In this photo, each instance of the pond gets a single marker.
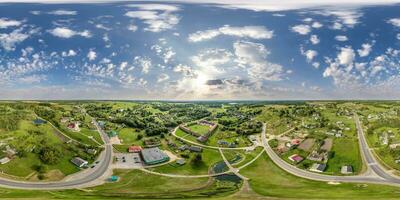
(220, 167)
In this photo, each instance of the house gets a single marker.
(295, 142)
(183, 148)
(154, 155)
(318, 157)
(4, 160)
(202, 138)
(393, 146)
(222, 143)
(295, 158)
(316, 167)
(346, 169)
(74, 126)
(113, 178)
(181, 161)
(10, 151)
(64, 119)
(195, 149)
(134, 149)
(79, 162)
(253, 138)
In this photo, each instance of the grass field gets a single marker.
(269, 180)
(346, 153)
(200, 129)
(129, 136)
(209, 157)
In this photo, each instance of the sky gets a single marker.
(199, 50)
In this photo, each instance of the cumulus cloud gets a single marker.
(91, 55)
(254, 32)
(64, 32)
(301, 29)
(394, 22)
(346, 56)
(5, 23)
(210, 61)
(341, 38)
(165, 52)
(365, 50)
(158, 17)
(253, 57)
(9, 40)
(144, 63)
(316, 25)
(69, 53)
(132, 27)
(31, 79)
(314, 39)
(310, 54)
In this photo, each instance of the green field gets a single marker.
(200, 129)
(269, 180)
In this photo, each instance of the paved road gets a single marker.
(379, 176)
(102, 167)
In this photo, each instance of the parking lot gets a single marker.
(127, 161)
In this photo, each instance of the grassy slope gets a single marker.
(269, 180)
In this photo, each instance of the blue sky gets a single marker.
(200, 50)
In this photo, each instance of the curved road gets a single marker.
(101, 168)
(378, 174)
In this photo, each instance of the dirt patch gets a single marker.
(307, 144)
(327, 146)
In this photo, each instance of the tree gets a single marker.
(50, 155)
(197, 160)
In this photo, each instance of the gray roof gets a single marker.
(154, 154)
(195, 148)
(79, 161)
(346, 169)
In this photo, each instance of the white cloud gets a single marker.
(316, 25)
(63, 12)
(254, 32)
(70, 53)
(132, 27)
(346, 56)
(310, 55)
(394, 22)
(31, 79)
(337, 26)
(210, 61)
(64, 32)
(398, 36)
(162, 77)
(301, 29)
(346, 16)
(163, 7)
(314, 39)
(365, 50)
(341, 38)
(158, 17)
(144, 63)
(10, 40)
(252, 56)
(5, 23)
(164, 51)
(91, 55)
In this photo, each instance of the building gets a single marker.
(195, 149)
(79, 162)
(154, 155)
(74, 126)
(202, 138)
(183, 147)
(295, 158)
(4, 160)
(181, 161)
(134, 149)
(346, 169)
(316, 167)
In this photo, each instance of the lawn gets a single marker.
(269, 180)
(346, 152)
(200, 129)
(209, 157)
(129, 136)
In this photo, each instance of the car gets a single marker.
(123, 160)
(93, 166)
(97, 162)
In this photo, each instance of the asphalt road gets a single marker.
(379, 176)
(101, 168)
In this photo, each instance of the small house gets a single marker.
(316, 167)
(181, 161)
(346, 169)
(4, 160)
(195, 149)
(295, 158)
(134, 149)
(79, 162)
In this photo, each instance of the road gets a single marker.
(100, 170)
(378, 176)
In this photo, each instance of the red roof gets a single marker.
(135, 149)
(295, 141)
(71, 125)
